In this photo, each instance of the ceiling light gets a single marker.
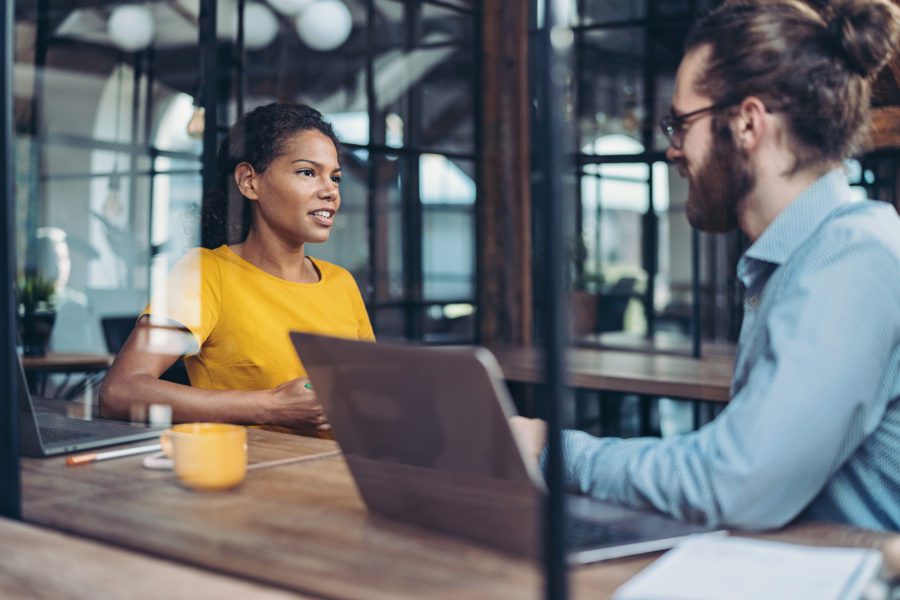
(260, 26)
(131, 27)
(324, 25)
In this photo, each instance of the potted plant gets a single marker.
(37, 312)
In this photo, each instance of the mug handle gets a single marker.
(161, 460)
(165, 440)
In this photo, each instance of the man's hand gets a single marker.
(294, 404)
(531, 433)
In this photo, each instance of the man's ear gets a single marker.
(752, 123)
(247, 180)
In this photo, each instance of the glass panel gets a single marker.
(425, 95)
(674, 8)
(626, 44)
(389, 323)
(614, 200)
(348, 245)
(448, 103)
(173, 113)
(441, 24)
(447, 192)
(175, 217)
(611, 91)
(674, 304)
(612, 67)
(464, 4)
(568, 13)
(612, 11)
(389, 19)
(388, 250)
(450, 323)
(336, 87)
(665, 89)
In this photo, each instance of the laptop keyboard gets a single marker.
(53, 435)
(589, 534)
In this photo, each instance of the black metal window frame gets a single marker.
(10, 499)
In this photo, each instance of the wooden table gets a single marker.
(662, 342)
(41, 563)
(38, 368)
(628, 372)
(67, 362)
(303, 527)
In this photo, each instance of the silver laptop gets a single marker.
(45, 429)
(425, 432)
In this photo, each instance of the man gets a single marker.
(769, 100)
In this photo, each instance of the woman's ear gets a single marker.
(246, 179)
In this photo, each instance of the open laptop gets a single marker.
(425, 432)
(46, 430)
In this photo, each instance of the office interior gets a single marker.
(116, 116)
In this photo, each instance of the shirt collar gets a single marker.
(800, 219)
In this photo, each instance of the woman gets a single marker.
(229, 310)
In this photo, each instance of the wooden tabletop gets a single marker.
(662, 342)
(304, 527)
(40, 563)
(622, 371)
(61, 362)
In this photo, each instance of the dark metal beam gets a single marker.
(554, 206)
(695, 294)
(10, 499)
(651, 221)
(372, 291)
(412, 215)
(209, 100)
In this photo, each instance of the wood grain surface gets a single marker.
(622, 371)
(303, 527)
(40, 563)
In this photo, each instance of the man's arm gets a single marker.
(807, 405)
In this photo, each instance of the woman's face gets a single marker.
(298, 195)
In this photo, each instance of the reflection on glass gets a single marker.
(349, 245)
(447, 193)
(450, 323)
(389, 235)
(351, 127)
(611, 103)
(611, 12)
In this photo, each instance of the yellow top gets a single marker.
(240, 317)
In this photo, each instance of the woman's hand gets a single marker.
(294, 404)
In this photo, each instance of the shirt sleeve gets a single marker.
(189, 297)
(809, 401)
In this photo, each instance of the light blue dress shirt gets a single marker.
(813, 426)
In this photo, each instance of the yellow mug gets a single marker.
(207, 456)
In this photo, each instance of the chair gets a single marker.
(116, 331)
(612, 304)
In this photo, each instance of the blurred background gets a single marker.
(118, 107)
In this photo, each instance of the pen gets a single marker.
(83, 459)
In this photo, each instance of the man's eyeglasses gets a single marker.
(675, 126)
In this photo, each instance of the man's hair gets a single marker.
(257, 138)
(812, 62)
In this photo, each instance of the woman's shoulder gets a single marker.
(200, 261)
(331, 271)
(200, 254)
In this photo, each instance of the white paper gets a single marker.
(715, 568)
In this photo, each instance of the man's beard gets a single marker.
(721, 184)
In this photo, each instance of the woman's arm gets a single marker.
(133, 380)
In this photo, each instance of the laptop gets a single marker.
(425, 432)
(46, 430)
